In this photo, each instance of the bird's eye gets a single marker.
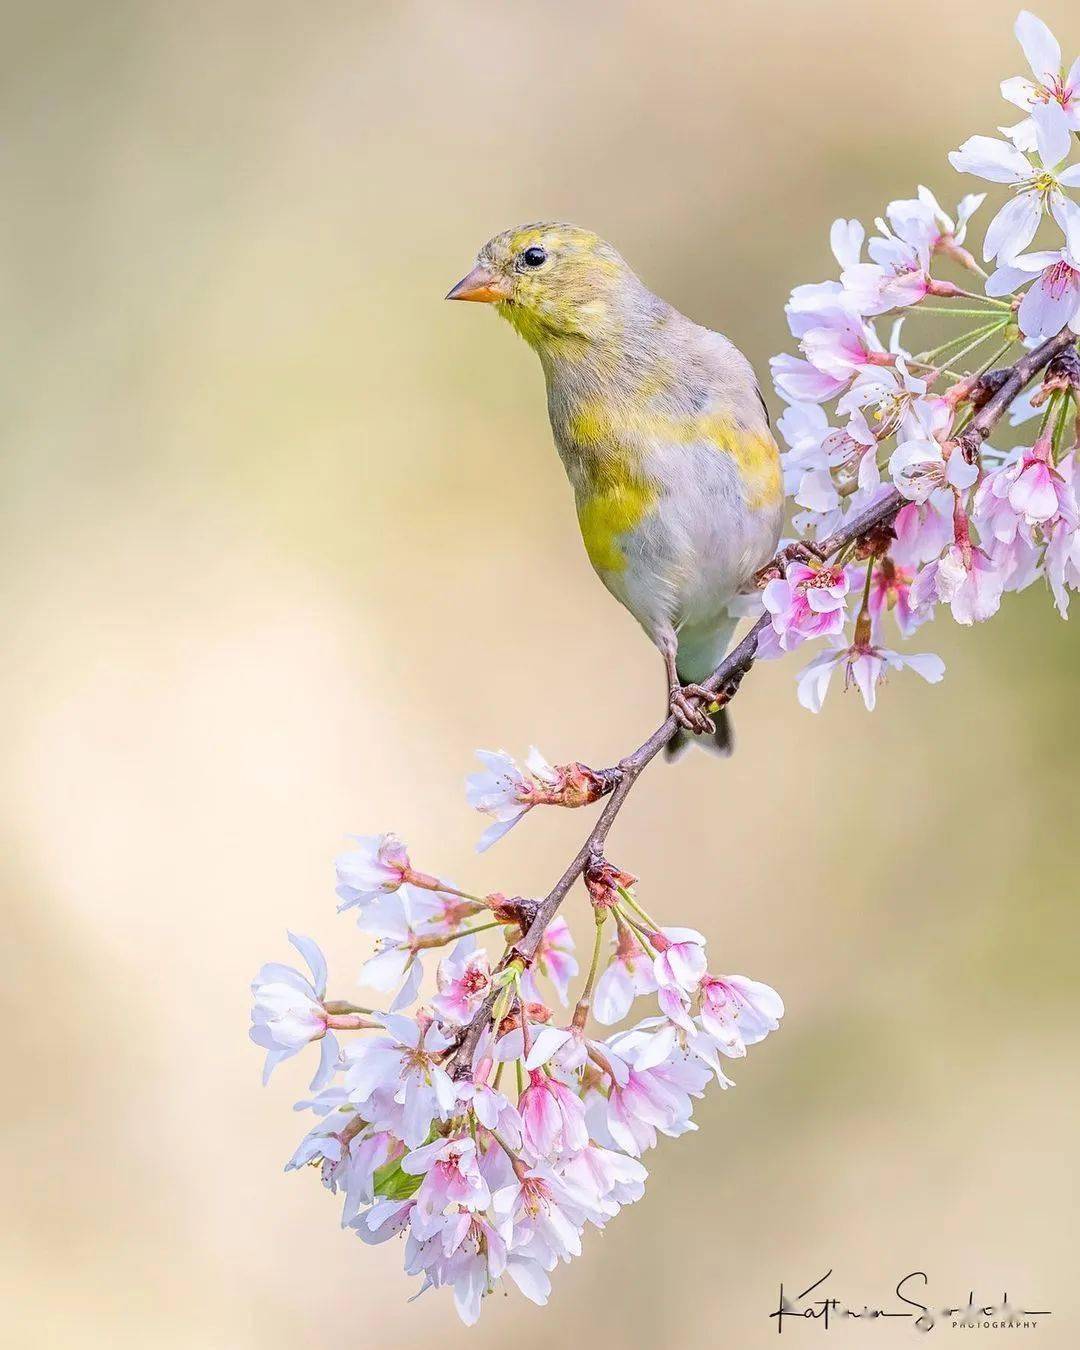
(534, 256)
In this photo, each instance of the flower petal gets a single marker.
(1013, 228)
(1039, 45)
(987, 157)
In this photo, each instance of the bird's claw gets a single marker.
(799, 551)
(688, 704)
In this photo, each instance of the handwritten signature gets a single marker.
(825, 1310)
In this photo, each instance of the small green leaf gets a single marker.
(394, 1184)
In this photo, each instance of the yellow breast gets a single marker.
(608, 511)
(618, 444)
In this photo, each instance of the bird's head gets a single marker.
(554, 283)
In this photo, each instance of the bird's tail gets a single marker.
(700, 651)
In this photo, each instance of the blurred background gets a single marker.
(284, 539)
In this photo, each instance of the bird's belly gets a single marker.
(674, 552)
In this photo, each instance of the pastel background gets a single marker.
(284, 539)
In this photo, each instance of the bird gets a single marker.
(664, 434)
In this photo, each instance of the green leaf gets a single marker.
(394, 1184)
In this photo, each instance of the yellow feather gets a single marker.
(610, 512)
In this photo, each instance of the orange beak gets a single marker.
(480, 285)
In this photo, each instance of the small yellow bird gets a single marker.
(665, 438)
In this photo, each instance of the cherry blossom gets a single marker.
(809, 602)
(289, 1012)
(1050, 84)
(680, 957)
(965, 579)
(1037, 188)
(898, 275)
(450, 1177)
(404, 1063)
(1063, 564)
(940, 230)
(394, 920)
(505, 792)
(922, 530)
(464, 979)
(555, 960)
(890, 593)
(865, 666)
(378, 865)
(1034, 488)
(627, 976)
(552, 1115)
(1052, 300)
(737, 1011)
(919, 467)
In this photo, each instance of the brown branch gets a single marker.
(728, 675)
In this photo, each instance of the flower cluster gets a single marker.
(972, 525)
(484, 1126)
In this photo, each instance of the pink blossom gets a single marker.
(841, 348)
(288, 1012)
(451, 1177)
(547, 1214)
(1020, 561)
(636, 1109)
(492, 1108)
(383, 1221)
(898, 275)
(922, 222)
(809, 602)
(365, 1155)
(817, 305)
(394, 920)
(378, 865)
(798, 381)
(922, 531)
(322, 1143)
(656, 1081)
(920, 467)
(1063, 563)
(469, 1254)
(965, 579)
(890, 590)
(1035, 186)
(555, 959)
(463, 979)
(628, 975)
(1037, 491)
(552, 1115)
(1052, 301)
(737, 1011)
(993, 513)
(611, 1177)
(404, 1065)
(865, 666)
(680, 958)
(820, 455)
(506, 792)
(1050, 84)
(674, 1003)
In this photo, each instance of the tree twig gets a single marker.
(727, 677)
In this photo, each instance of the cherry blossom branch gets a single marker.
(727, 677)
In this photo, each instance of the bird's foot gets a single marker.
(688, 704)
(797, 552)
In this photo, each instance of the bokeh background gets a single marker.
(284, 539)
